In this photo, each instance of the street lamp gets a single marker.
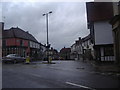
(48, 45)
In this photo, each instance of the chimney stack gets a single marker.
(79, 38)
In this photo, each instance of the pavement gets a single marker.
(106, 68)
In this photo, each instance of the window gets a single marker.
(108, 51)
(18, 40)
(21, 42)
(4, 43)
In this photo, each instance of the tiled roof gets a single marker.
(18, 33)
(86, 38)
(97, 11)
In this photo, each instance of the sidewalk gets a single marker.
(108, 68)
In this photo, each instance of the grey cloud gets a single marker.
(66, 23)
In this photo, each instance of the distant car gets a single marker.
(45, 59)
(13, 58)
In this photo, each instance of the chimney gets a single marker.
(79, 38)
(76, 42)
(12, 28)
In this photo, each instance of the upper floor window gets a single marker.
(108, 51)
(21, 43)
(18, 40)
(4, 43)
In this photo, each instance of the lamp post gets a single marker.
(48, 45)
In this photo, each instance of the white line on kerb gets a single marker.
(80, 85)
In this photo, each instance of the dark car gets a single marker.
(45, 59)
(13, 58)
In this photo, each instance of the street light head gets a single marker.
(43, 14)
(50, 12)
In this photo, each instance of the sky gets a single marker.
(67, 22)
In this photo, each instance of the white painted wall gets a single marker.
(34, 45)
(73, 48)
(103, 33)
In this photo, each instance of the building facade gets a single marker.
(98, 16)
(115, 22)
(82, 49)
(76, 50)
(87, 46)
(1, 29)
(17, 41)
(42, 52)
(53, 53)
(74, 53)
(65, 53)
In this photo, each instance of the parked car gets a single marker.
(45, 59)
(14, 58)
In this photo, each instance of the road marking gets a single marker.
(35, 75)
(80, 86)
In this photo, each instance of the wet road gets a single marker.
(62, 74)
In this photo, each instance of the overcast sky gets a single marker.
(66, 23)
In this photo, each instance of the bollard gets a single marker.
(27, 60)
(50, 59)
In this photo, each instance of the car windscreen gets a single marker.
(10, 55)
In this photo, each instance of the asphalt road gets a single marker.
(62, 74)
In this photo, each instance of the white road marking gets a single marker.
(35, 75)
(80, 86)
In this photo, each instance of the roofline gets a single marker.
(23, 31)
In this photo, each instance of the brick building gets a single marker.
(65, 53)
(17, 41)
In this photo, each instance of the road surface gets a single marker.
(62, 74)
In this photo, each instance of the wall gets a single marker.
(1, 27)
(97, 11)
(16, 42)
(103, 33)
